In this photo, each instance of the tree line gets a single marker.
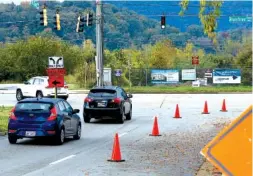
(26, 58)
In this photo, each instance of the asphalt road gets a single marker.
(175, 153)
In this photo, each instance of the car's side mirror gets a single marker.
(129, 95)
(26, 82)
(75, 111)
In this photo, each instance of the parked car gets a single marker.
(43, 117)
(107, 101)
(38, 87)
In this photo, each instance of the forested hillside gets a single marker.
(123, 28)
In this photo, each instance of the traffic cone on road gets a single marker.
(116, 154)
(205, 111)
(177, 113)
(155, 131)
(223, 108)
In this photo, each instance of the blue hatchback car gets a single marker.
(45, 117)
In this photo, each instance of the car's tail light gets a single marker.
(116, 100)
(53, 114)
(47, 87)
(12, 115)
(66, 87)
(12, 131)
(87, 100)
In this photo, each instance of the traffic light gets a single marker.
(57, 21)
(80, 25)
(43, 17)
(89, 19)
(163, 22)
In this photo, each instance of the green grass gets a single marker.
(4, 114)
(188, 89)
(180, 89)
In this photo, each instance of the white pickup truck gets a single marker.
(38, 87)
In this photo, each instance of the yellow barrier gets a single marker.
(231, 150)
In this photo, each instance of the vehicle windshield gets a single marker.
(33, 106)
(102, 93)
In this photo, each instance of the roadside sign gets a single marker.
(231, 150)
(227, 76)
(56, 81)
(118, 72)
(195, 60)
(188, 74)
(56, 71)
(55, 62)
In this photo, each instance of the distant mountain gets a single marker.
(152, 9)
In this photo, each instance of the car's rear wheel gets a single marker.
(12, 139)
(87, 118)
(60, 137)
(129, 115)
(19, 95)
(39, 94)
(78, 132)
(121, 118)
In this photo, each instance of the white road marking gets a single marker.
(122, 134)
(63, 159)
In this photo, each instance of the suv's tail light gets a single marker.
(53, 114)
(12, 115)
(116, 100)
(87, 100)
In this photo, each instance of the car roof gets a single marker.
(43, 100)
(105, 87)
(40, 77)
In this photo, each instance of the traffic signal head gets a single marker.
(163, 22)
(89, 19)
(43, 17)
(57, 22)
(80, 25)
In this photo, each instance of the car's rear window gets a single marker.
(33, 106)
(102, 93)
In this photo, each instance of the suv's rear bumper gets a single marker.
(102, 112)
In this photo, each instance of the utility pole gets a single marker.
(99, 42)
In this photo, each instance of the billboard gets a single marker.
(188, 74)
(164, 76)
(226, 76)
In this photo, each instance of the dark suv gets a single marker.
(107, 101)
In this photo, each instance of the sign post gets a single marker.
(56, 73)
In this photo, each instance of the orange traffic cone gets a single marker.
(155, 131)
(205, 111)
(116, 154)
(177, 114)
(223, 108)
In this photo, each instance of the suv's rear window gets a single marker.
(102, 93)
(33, 106)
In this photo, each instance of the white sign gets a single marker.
(55, 62)
(202, 81)
(196, 83)
(188, 74)
(173, 77)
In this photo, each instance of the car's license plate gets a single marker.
(30, 133)
(101, 104)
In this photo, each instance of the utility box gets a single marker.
(108, 76)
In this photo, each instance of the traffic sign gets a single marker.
(231, 150)
(118, 72)
(56, 81)
(56, 71)
(195, 60)
(55, 62)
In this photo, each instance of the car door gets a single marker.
(74, 119)
(28, 88)
(66, 118)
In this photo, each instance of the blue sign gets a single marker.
(118, 72)
(159, 76)
(227, 76)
